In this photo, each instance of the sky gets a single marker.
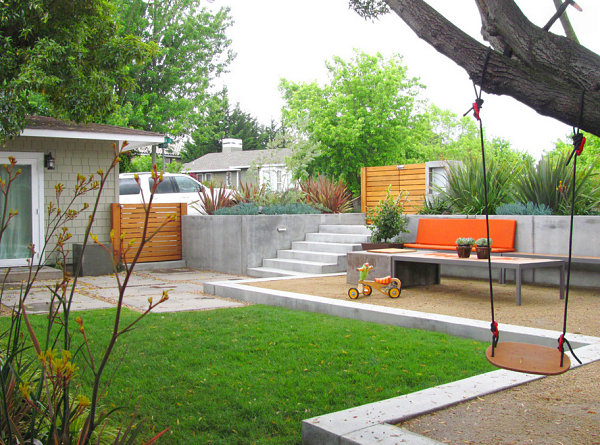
(276, 39)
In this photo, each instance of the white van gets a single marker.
(174, 188)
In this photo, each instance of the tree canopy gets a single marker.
(361, 118)
(370, 114)
(550, 73)
(63, 59)
(220, 122)
(175, 86)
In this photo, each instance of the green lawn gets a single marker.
(250, 375)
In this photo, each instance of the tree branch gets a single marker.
(548, 72)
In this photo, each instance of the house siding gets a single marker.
(74, 156)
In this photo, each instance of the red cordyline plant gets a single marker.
(212, 199)
(41, 399)
(250, 192)
(323, 191)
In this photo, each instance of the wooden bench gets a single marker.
(441, 233)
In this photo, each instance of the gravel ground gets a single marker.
(562, 409)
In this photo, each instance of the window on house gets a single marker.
(228, 179)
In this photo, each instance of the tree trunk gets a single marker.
(545, 71)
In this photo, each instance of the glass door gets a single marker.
(26, 198)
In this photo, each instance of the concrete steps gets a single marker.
(323, 252)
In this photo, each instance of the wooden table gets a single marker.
(498, 262)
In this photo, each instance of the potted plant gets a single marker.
(387, 222)
(483, 248)
(464, 246)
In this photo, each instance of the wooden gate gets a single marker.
(128, 222)
(409, 178)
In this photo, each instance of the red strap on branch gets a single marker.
(579, 148)
(476, 111)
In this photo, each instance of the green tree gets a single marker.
(144, 164)
(62, 59)
(362, 117)
(175, 86)
(220, 123)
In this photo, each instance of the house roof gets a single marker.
(42, 126)
(236, 160)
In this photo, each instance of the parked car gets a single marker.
(174, 188)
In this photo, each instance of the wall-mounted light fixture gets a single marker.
(49, 162)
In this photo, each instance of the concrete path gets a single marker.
(185, 288)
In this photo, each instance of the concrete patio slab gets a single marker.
(38, 301)
(185, 287)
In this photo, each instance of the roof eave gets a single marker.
(134, 141)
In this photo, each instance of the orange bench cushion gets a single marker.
(441, 234)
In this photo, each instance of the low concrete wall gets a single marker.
(543, 235)
(232, 244)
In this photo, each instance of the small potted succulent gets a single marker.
(483, 248)
(464, 246)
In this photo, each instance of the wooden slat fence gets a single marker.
(409, 178)
(128, 220)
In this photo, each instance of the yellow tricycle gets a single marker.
(392, 287)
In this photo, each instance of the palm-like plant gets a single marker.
(212, 198)
(465, 190)
(332, 195)
(550, 183)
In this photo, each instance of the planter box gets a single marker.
(95, 260)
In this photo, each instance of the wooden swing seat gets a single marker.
(525, 357)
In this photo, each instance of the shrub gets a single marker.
(333, 196)
(518, 208)
(212, 199)
(296, 208)
(41, 396)
(387, 219)
(245, 208)
(435, 206)
(550, 183)
(262, 196)
(277, 209)
(465, 189)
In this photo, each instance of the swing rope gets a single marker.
(476, 109)
(578, 143)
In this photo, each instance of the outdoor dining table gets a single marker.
(403, 267)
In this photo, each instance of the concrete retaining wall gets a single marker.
(232, 244)
(543, 235)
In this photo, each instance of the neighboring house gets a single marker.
(234, 166)
(74, 148)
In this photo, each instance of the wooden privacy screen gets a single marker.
(128, 220)
(409, 178)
